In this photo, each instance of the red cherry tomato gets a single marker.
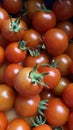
(10, 73)
(29, 105)
(56, 41)
(12, 6)
(14, 54)
(63, 9)
(57, 112)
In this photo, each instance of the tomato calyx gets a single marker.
(33, 52)
(15, 25)
(53, 64)
(22, 45)
(38, 121)
(42, 106)
(43, 8)
(37, 78)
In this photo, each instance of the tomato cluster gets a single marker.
(36, 65)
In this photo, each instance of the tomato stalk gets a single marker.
(37, 78)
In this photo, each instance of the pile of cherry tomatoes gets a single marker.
(36, 65)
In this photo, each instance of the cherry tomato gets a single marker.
(46, 94)
(14, 53)
(18, 124)
(29, 105)
(68, 95)
(67, 26)
(58, 90)
(44, 21)
(56, 41)
(33, 38)
(10, 73)
(52, 78)
(3, 121)
(3, 16)
(42, 127)
(63, 61)
(32, 6)
(7, 97)
(40, 59)
(63, 9)
(57, 112)
(24, 83)
(12, 6)
(13, 29)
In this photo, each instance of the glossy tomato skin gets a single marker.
(23, 83)
(67, 26)
(43, 21)
(7, 97)
(64, 61)
(32, 7)
(57, 112)
(14, 54)
(29, 105)
(12, 6)
(52, 78)
(56, 41)
(18, 123)
(40, 59)
(63, 83)
(63, 10)
(42, 127)
(3, 121)
(33, 38)
(68, 95)
(10, 73)
(12, 36)
(3, 16)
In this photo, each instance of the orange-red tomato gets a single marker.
(68, 95)
(64, 61)
(13, 29)
(3, 16)
(18, 124)
(56, 41)
(14, 53)
(12, 6)
(7, 97)
(52, 78)
(24, 83)
(29, 105)
(3, 121)
(33, 38)
(10, 73)
(57, 112)
(43, 127)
